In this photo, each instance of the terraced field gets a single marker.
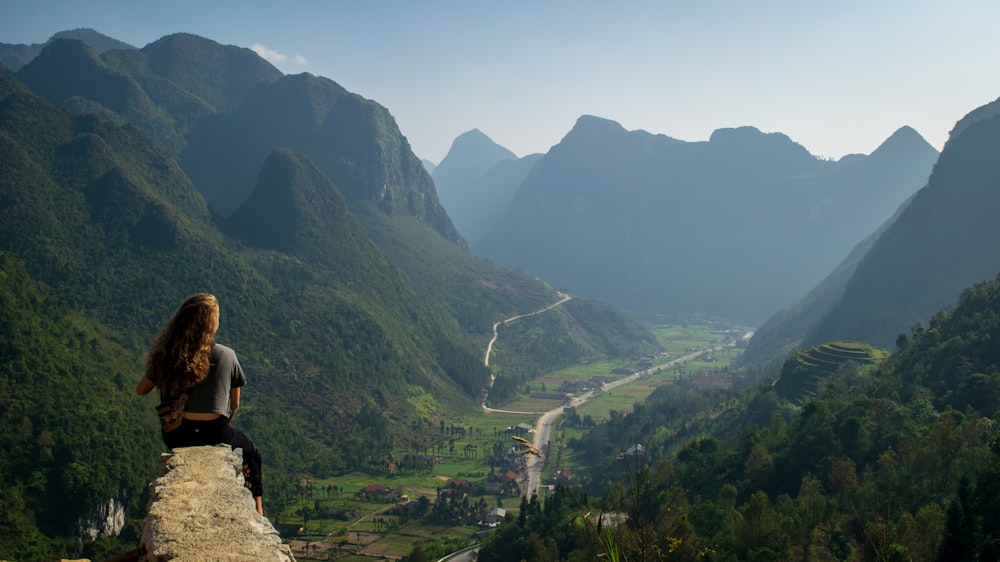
(805, 371)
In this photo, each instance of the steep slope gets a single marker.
(943, 241)
(491, 196)
(164, 89)
(292, 207)
(775, 339)
(738, 226)
(183, 83)
(477, 181)
(984, 112)
(353, 141)
(107, 221)
(68, 72)
(219, 75)
(74, 439)
(872, 448)
(471, 156)
(353, 317)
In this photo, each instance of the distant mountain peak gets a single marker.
(74, 49)
(745, 133)
(475, 140)
(472, 133)
(905, 133)
(750, 143)
(95, 39)
(591, 124)
(902, 143)
(471, 155)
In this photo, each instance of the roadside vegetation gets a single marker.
(334, 518)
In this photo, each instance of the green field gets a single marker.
(466, 454)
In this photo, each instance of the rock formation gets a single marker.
(201, 510)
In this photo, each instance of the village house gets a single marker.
(495, 517)
(379, 491)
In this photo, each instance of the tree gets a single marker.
(760, 533)
(959, 541)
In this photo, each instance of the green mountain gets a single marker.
(164, 88)
(294, 209)
(941, 242)
(15, 56)
(349, 297)
(354, 141)
(75, 441)
(107, 221)
(738, 226)
(851, 455)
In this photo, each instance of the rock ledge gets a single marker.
(200, 510)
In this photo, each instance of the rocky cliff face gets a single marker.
(201, 510)
(107, 520)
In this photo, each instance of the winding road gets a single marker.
(563, 297)
(543, 427)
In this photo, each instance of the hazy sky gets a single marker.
(837, 77)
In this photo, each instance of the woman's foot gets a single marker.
(259, 505)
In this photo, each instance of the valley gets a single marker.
(371, 295)
(334, 517)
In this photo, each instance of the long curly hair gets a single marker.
(180, 354)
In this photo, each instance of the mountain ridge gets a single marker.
(14, 56)
(605, 213)
(361, 318)
(894, 281)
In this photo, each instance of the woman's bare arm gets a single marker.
(234, 402)
(144, 387)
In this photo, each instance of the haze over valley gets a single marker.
(406, 314)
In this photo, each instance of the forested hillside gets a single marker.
(895, 461)
(14, 56)
(350, 299)
(907, 270)
(893, 287)
(75, 441)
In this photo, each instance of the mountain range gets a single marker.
(738, 226)
(352, 301)
(941, 241)
(477, 181)
(130, 178)
(14, 56)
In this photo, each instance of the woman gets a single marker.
(185, 358)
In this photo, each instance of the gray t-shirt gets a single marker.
(212, 394)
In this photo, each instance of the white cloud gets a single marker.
(276, 57)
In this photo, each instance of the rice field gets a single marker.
(360, 537)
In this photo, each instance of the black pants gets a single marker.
(193, 433)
